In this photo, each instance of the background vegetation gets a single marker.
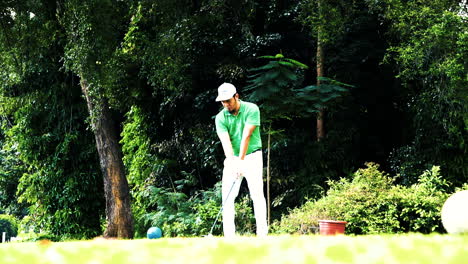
(157, 64)
(371, 203)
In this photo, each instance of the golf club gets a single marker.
(221, 209)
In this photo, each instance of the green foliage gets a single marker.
(327, 18)
(295, 181)
(429, 51)
(57, 189)
(30, 231)
(59, 183)
(181, 216)
(11, 170)
(90, 42)
(161, 184)
(275, 87)
(161, 43)
(157, 63)
(9, 225)
(407, 163)
(371, 203)
(141, 164)
(271, 86)
(153, 176)
(136, 147)
(422, 204)
(318, 96)
(462, 188)
(92, 32)
(47, 154)
(172, 211)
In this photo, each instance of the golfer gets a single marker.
(237, 126)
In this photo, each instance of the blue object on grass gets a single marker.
(154, 232)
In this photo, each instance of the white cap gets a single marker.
(225, 92)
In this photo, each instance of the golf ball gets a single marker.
(154, 233)
(454, 213)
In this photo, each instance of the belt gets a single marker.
(255, 151)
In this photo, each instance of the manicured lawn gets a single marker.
(411, 248)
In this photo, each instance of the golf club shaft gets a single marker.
(222, 206)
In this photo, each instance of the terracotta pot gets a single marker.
(331, 227)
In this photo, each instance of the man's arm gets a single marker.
(244, 145)
(226, 143)
(230, 161)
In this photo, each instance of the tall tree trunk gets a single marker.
(268, 176)
(320, 73)
(116, 190)
(320, 70)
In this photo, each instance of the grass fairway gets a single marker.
(412, 248)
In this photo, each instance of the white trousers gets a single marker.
(253, 173)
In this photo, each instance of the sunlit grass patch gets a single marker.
(411, 248)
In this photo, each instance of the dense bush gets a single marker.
(371, 203)
(11, 169)
(8, 224)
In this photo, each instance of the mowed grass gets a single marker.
(410, 248)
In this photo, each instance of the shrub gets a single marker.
(8, 224)
(371, 203)
(421, 203)
(29, 230)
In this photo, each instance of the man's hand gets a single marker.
(235, 165)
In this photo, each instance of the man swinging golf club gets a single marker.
(237, 126)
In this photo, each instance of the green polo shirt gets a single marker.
(234, 125)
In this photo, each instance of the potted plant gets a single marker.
(332, 227)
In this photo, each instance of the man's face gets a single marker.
(232, 104)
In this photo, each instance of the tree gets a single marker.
(271, 86)
(429, 51)
(275, 87)
(327, 20)
(45, 139)
(93, 34)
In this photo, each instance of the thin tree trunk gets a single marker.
(320, 73)
(116, 190)
(268, 176)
